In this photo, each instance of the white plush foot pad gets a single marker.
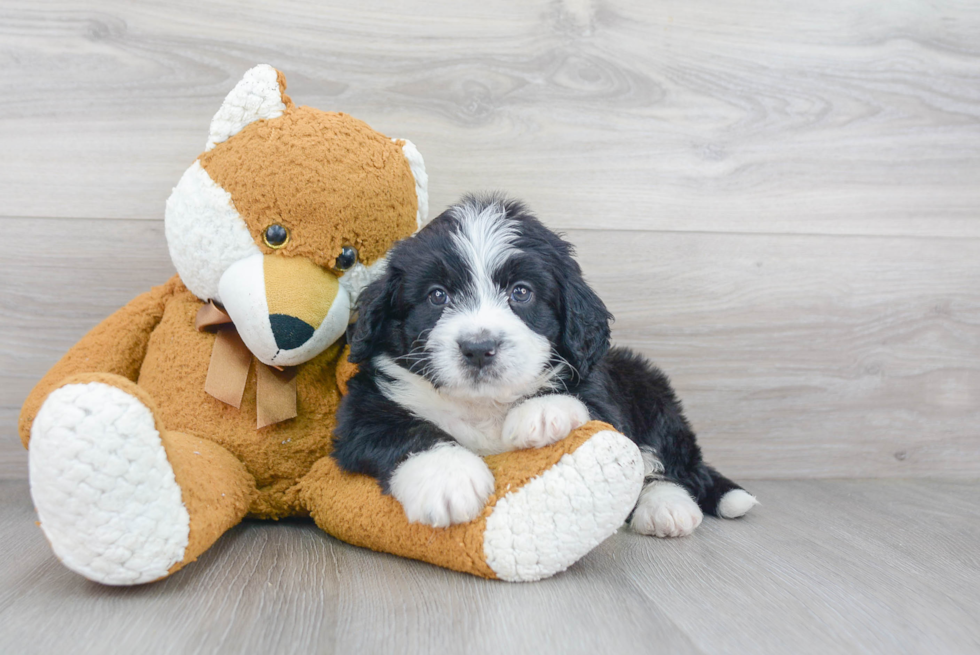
(104, 491)
(552, 521)
(666, 510)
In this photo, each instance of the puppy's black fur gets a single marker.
(374, 434)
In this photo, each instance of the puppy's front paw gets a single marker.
(541, 421)
(666, 510)
(442, 486)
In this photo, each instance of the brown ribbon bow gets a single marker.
(275, 388)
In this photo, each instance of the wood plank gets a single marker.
(796, 356)
(807, 356)
(858, 566)
(65, 277)
(853, 566)
(425, 609)
(854, 118)
(288, 588)
(243, 598)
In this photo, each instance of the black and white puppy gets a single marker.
(482, 337)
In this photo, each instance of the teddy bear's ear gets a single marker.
(261, 93)
(416, 163)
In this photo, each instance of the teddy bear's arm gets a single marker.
(116, 345)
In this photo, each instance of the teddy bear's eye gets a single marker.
(346, 259)
(275, 236)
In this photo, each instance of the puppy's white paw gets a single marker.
(541, 421)
(736, 503)
(442, 486)
(666, 510)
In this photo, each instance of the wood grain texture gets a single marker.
(830, 566)
(795, 355)
(807, 356)
(777, 200)
(779, 205)
(64, 277)
(848, 118)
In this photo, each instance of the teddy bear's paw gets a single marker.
(104, 490)
(542, 421)
(666, 510)
(555, 519)
(442, 486)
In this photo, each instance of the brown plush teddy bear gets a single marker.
(212, 397)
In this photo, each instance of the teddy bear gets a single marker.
(211, 398)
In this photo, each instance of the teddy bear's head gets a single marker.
(288, 214)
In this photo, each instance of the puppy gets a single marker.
(482, 337)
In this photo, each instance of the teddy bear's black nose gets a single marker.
(289, 331)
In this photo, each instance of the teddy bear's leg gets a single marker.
(551, 506)
(121, 500)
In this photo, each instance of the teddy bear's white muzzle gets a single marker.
(287, 310)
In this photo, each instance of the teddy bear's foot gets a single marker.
(105, 492)
(556, 518)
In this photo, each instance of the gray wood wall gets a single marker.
(779, 201)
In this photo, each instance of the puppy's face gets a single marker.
(485, 302)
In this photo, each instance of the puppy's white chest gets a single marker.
(485, 426)
(476, 425)
(475, 428)
(487, 429)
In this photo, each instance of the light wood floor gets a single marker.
(779, 201)
(883, 566)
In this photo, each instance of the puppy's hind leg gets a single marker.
(674, 506)
(664, 508)
(679, 488)
(728, 500)
(715, 494)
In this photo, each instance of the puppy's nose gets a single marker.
(478, 353)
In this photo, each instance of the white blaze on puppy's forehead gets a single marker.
(257, 96)
(485, 239)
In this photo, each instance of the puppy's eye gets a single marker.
(346, 259)
(438, 297)
(275, 236)
(520, 293)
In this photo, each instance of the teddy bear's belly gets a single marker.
(174, 372)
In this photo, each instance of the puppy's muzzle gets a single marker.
(479, 353)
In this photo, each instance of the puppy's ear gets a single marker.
(585, 321)
(374, 309)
